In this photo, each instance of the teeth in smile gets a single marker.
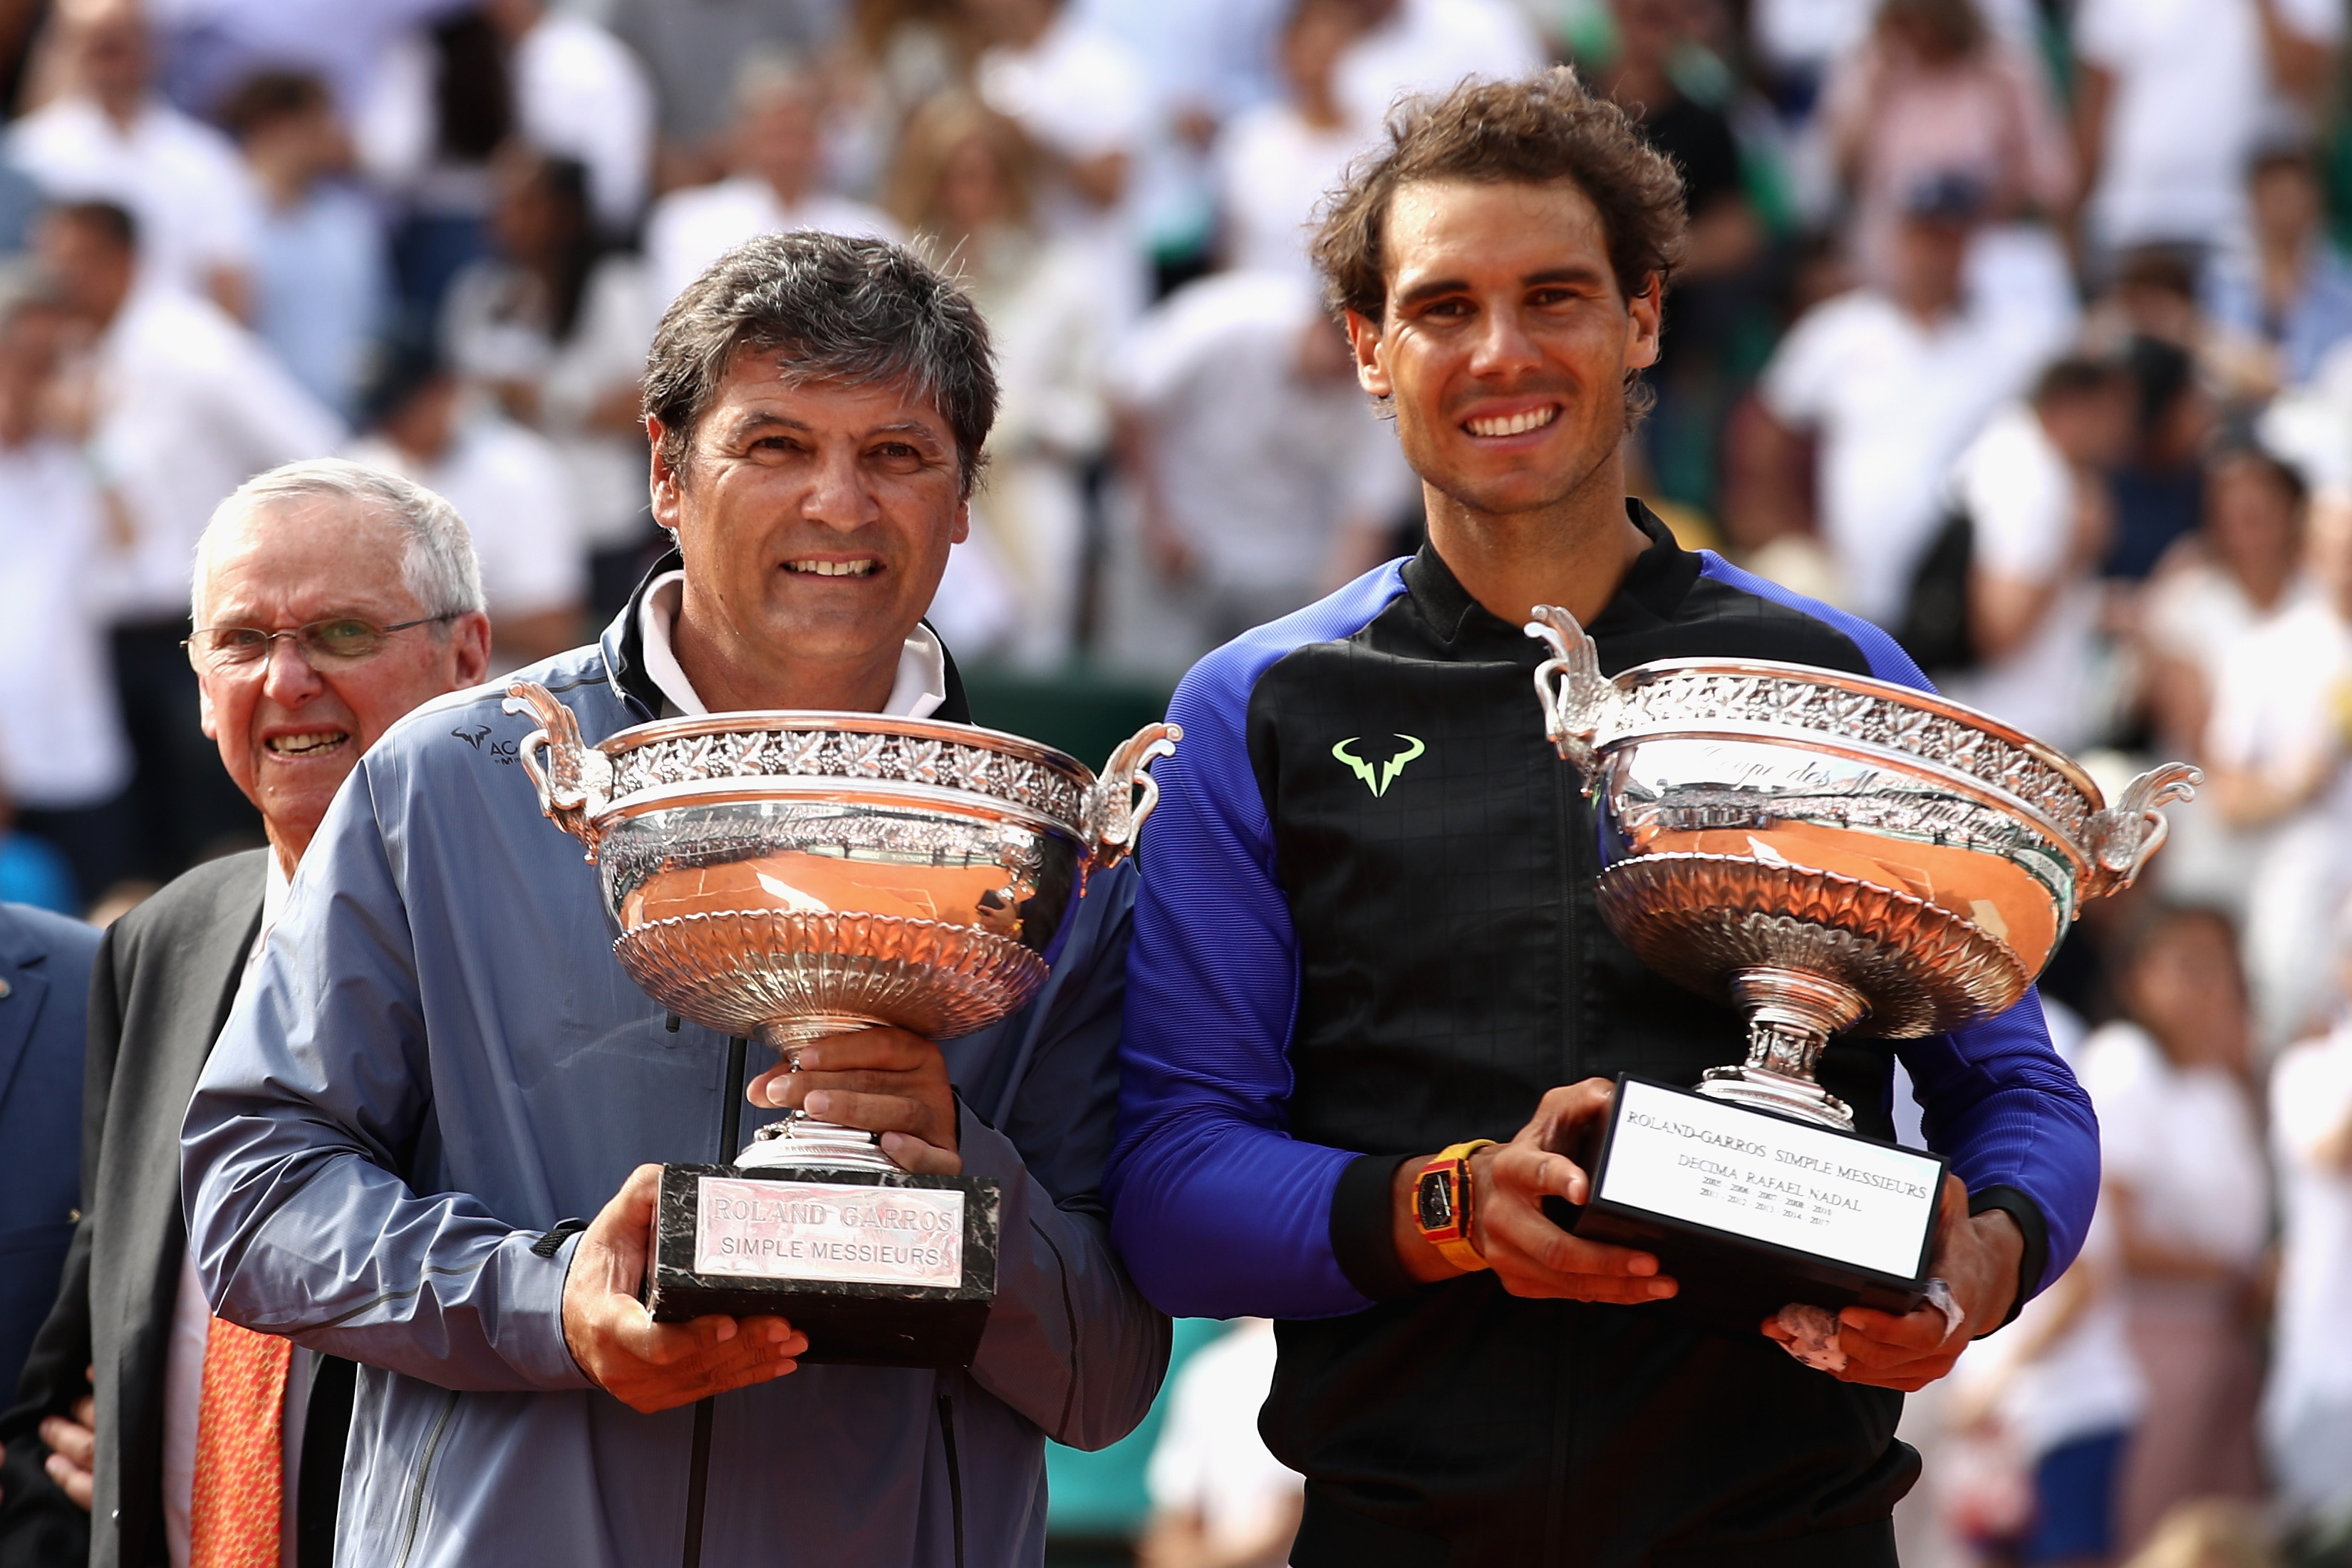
(831, 568)
(1514, 425)
(309, 745)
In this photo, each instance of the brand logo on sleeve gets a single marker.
(1377, 783)
(477, 736)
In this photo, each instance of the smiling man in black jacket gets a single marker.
(1367, 932)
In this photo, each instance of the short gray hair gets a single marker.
(859, 312)
(437, 567)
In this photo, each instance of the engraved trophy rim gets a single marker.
(761, 784)
(1648, 673)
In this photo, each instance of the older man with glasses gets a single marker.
(329, 600)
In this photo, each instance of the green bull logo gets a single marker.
(1378, 784)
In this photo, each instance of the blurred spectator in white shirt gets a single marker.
(581, 94)
(1411, 47)
(692, 51)
(1276, 163)
(964, 186)
(321, 281)
(1895, 383)
(508, 483)
(2059, 1388)
(554, 325)
(64, 760)
(2275, 756)
(2307, 1403)
(2173, 95)
(2186, 1185)
(108, 137)
(2281, 296)
(2032, 489)
(1219, 1500)
(1934, 91)
(184, 406)
(1206, 60)
(1084, 102)
(1264, 478)
(777, 187)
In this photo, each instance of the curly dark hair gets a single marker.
(1533, 131)
(861, 312)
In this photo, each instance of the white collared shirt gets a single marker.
(192, 1326)
(191, 404)
(920, 687)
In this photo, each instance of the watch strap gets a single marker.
(1453, 1240)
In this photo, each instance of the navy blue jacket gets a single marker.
(45, 963)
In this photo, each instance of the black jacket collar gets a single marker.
(625, 655)
(1662, 574)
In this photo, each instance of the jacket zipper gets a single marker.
(1565, 787)
(955, 1472)
(424, 1474)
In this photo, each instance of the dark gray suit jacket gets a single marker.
(166, 976)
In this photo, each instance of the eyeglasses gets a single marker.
(341, 640)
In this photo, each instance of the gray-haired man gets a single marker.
(444, 1061)
(329, 600)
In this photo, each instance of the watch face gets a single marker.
(1436, 1200)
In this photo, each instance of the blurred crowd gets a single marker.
(2021, 327)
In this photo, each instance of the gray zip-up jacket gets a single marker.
(442, 1060)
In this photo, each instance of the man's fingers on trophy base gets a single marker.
(879, 1113)
(912, 1154)
(1914, 1333)
(879, 1050)
(776, 1086)
(1531, 1173)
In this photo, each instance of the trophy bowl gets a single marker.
(1829, 853)
(786, 875)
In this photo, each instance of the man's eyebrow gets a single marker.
(1431, 290)
(1437, 287)
(905, 427)
(761, 418)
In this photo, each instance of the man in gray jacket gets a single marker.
(443, 1061)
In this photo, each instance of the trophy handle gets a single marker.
(1575, 695)
(1113, 815)
(2121, 838)
(573, 778)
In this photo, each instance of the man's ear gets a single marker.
(207, 720)
(469, 642)
(1372, 369)
(663, 482)
(962, 528)
(1645, 321)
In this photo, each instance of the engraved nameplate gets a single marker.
(826, 1230)
(1703, 1162)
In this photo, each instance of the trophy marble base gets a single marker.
(1750, 1211)
(878, 1268)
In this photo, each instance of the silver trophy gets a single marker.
(1832, 855)
(782, 876)
(1829, 853)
